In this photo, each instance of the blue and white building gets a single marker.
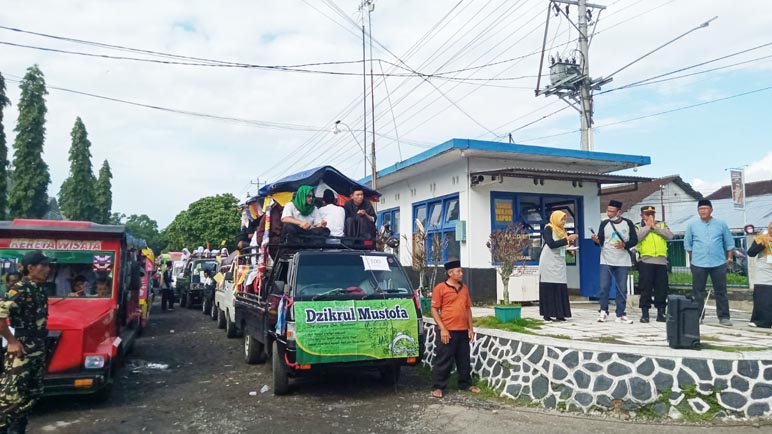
(464, 189)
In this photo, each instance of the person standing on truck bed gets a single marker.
(334, 215)
(300, 216)
(360, 216)
(26, 306)
(452, 311)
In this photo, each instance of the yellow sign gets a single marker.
(503, 211)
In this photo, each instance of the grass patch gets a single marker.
(709, 338)
(739, 349)
(522, 325)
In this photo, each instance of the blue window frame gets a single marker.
(534, 210)
(391, 218)
(439, 216)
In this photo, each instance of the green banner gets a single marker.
(355, 330)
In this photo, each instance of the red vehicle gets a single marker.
(93, 306)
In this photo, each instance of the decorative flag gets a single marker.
(738, 188)
(102, 263)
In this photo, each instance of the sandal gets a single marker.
(473, 389)
(437, 393)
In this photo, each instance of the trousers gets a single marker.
(21, 383)
(718, 280)
(167, 298)
(456, 351)
(653, 277)
(619, 275)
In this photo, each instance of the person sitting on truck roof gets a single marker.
(300, 216)
(360, 216)
(334, 215)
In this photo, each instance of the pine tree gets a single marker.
(104, 194)
(29, 195)
(77, 198)
(4, 101)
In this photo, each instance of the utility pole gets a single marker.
(364, 90)
(662, 200)
(585, 85)
(370, 4)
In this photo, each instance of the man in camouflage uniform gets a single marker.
(26, 307)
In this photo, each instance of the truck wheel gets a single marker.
(230, 328)
(221, 320)
(213, 312)
(254, 350)
(279, 369)
(390, 374)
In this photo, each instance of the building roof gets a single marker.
(758, 188)
(631, 197)
(453, 149)
(560, 175)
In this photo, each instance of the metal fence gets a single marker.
(681, 275)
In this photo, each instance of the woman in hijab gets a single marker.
(762, 288)
(553, 283)
(300, 216)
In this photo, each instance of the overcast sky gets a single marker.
(163, 160)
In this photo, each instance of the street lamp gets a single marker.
(337, 130)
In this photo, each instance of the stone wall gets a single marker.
(658, 381)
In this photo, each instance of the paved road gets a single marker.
(206, 389)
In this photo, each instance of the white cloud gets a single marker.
(760, 170)
(706, 187)
(164, 161)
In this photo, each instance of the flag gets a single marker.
(102, 263)
(738, 188)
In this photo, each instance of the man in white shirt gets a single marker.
(334, 215)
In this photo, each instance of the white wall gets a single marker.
(474, 204)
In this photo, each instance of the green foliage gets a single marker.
(104, 194)
(29, 196)
(522, 325)
(213, 220)
(53, 213)
(77, 198)
(4, 101)
(142, 226)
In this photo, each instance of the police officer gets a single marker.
(652, 266)
(26, 306)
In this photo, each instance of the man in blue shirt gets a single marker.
(709, 245)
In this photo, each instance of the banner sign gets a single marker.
(40, 244)
(738, 188)
(355, 330)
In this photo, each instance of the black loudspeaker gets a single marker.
(683, 322)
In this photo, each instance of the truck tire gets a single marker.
(213, 313)
(254, 350)
(221, 320)
(279, 371)
(230, 328)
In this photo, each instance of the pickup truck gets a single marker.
(191, 284)
(331, 308)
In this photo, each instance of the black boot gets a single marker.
(645, 315)
(661, 314)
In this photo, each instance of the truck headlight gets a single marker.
(94, 362)
(290, 331)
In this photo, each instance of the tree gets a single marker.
(29, 196)
(4, 101)
(104, 194)
(53, 213)
(142, 226)
(77, 198)
(214, 220)
(507, 247)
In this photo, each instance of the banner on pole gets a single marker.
(738, 188)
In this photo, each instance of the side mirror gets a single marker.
(229, 276)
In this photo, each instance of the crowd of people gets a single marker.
(625, 244)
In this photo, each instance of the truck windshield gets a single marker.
(75, 274)
(329, 276)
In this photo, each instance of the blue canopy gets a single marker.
(329, 175)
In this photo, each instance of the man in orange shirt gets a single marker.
(452, 311)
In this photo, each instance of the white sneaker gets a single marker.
(624, 320)
(752, 324)
(602, 317)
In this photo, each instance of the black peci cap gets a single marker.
(36, 257)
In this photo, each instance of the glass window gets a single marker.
(395, 226)
(435, 215)
(420, 214)
(454, 247)
(451, 212)
(385, 219)
(530, 209)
